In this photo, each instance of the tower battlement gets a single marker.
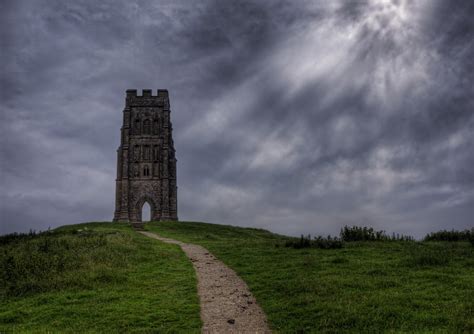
(147, 93)
(147, 99)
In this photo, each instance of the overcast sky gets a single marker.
(293, 116)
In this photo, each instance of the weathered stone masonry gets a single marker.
(146, 163)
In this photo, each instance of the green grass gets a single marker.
(363, 287)
(96, 277)
(104, 277)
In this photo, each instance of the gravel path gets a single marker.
(227, 306)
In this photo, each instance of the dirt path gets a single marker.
(227, 306)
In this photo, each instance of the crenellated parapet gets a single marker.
(147, 99)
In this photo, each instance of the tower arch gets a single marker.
(139, 207)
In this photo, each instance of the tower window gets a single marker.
(156, 153)
(146, 171)
(146, 152)
(147, 127)
(136, 126)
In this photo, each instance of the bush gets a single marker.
(357, 233)
(318, 242)
(466, 235)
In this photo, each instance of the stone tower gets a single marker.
(146, 163)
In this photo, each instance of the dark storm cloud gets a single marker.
(296, 117)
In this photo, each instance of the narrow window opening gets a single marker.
(146, 152)
(137, 126)
(147, 127)
(156, 153)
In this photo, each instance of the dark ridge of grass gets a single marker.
(366, 286)
(95, 277)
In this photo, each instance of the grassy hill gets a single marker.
(363, 287)
(106, 277)
(97, 277)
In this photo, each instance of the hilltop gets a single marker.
(106, 277)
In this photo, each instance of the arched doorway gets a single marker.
(146, 212)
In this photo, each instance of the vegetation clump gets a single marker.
(466, 235)
(358, 233)
(347, 234)
(317, 242)
(12, 237)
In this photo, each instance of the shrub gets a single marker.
(318, 242)
(357, 233)
(466, 235)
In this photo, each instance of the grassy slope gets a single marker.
(104, 278)
(378, 286)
